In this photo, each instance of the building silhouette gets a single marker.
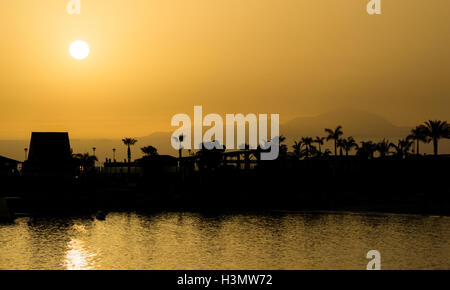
(49, 154)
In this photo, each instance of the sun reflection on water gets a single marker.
(77, 257)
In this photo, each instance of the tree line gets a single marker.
(312, 147)
(430, 131)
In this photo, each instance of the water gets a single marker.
(194, 241)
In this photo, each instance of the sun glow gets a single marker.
(77, 257)
(79, 49)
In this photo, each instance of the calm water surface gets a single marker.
(195, 241)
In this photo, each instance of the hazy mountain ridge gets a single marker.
(359, 124)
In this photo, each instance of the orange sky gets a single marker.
(151, 59)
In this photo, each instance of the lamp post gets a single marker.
(180, 151)
(26, 151)
(93, 149)
(114, 155)
(180, 155)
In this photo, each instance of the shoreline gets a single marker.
(61, 209)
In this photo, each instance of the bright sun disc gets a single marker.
(79, 49)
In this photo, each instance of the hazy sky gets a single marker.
(151, 59)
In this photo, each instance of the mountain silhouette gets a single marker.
(356, 123)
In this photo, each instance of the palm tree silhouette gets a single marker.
(419, 134)
(326, 153)
(366, 150)
(384, 147)
(283, 147)
(297, 149)
(129, 142)
(349, 144)
(307, 142)
(319, 141)
(436, 130)
(334, 135)
(86, 161)
(403, 147)
(341, 144)
(149, 151)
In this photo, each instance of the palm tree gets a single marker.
(366, 150)
(149, 151)
(403, 147)
(384, 147)
(314, 152)
(297, 149)
(307, 142)
(419, 134)
(283, 147)
(334, 135)
(340, 144)
(326, 153)
(85, 161)
(319, 141)
(129, 142)
(436, 130)
(349, 144)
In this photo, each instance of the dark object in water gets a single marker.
(101, 215)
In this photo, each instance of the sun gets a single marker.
(79, 49)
